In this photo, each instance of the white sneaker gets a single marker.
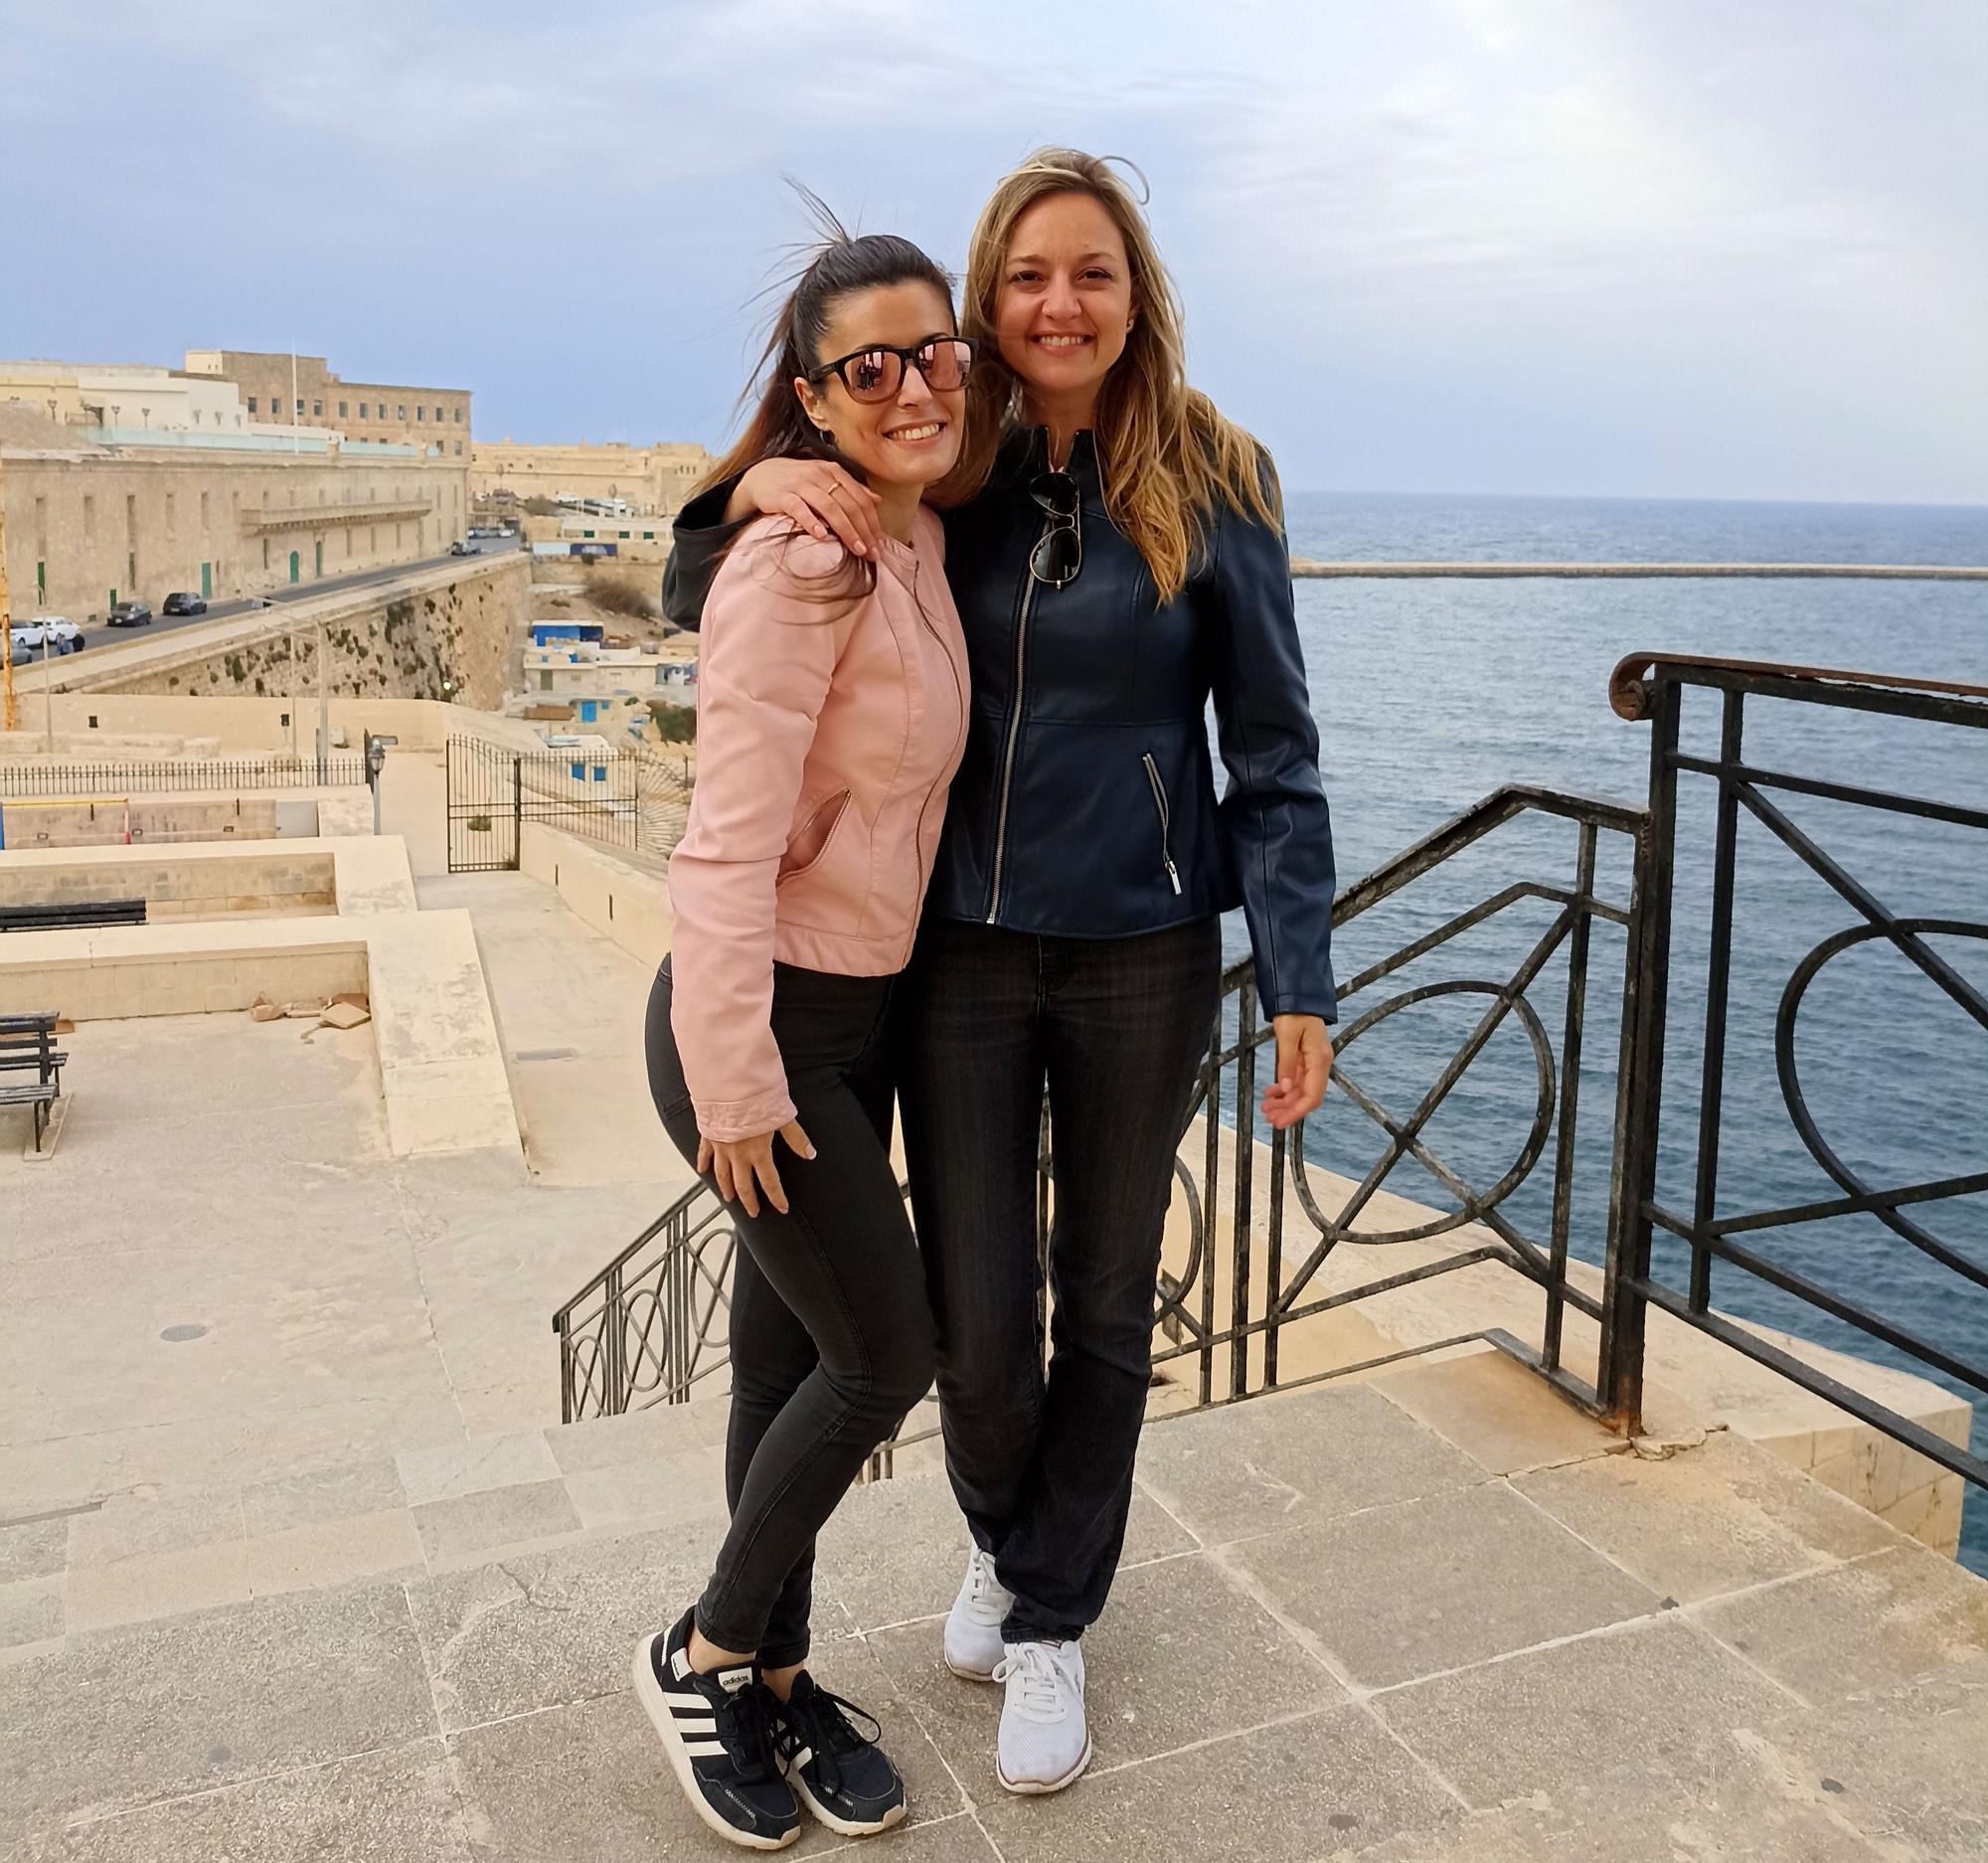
(973, 1647)
(1044, 1739)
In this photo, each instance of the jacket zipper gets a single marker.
(1013, 730)
(1166, 819)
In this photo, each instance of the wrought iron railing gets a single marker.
(1647, 687)
(1260, 1243)
(650, 1326)
(160, 776)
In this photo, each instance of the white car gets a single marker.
(50, 630)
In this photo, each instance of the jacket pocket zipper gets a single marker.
(1166, 819)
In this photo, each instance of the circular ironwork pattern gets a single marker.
(1475, 1204)
(1819, 1147)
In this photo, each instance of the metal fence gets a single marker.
(622, 799)
(1241, 1271)
(1800, 1247)
(651, 1325)
(37, 778)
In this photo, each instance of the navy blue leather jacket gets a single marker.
(1085, 805)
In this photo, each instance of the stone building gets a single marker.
(653, 481)
(284, 387)
(92, 521)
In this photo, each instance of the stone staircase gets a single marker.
(1437, 1615)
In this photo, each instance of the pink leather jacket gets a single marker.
(827, 734)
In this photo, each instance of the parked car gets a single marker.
(129, 614)
(55, 633)
(462, 549)
(183, 603)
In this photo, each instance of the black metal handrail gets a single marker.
(649, 1326)
(1651, 687)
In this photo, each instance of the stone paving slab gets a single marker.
(1642, 1706)
(1436, 1584)
(1870, 1624)
(1328, 1784)
(318, 1495)
(896, 1550)
(552, 1628)
(470, 1526)
(1719, 1518)
(1181, 1656)
(1275, 1462)
(399, 1803)
(484, 1462)
(34, 1549)
(127, 1717)
(1903, 1765)
(1501, 1422)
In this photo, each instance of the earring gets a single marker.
(828, 438)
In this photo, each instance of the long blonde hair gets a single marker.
(1165, 452)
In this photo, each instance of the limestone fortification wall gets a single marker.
(449, 638)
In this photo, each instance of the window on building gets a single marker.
(252, 403)
(300, 406)
(131, 517)
(202, 511)
(361, 410)
(172, 513)
(341, 411)
(317, 411)
(89, 514)
(458, 449)
(403, 410)
(458, 417)
(545, 682)
(420, 414)
(438, 413)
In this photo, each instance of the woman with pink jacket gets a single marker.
(831, 717)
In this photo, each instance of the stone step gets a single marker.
(164, 1550)
(1335, 1630)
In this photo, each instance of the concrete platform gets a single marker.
(1336, 1632)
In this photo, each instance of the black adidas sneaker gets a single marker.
(845, 1780)
(718, 1732)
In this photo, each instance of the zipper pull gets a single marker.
(1173, 873)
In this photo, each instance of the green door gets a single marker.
(206, 580)
(295, 564)
(321, 556)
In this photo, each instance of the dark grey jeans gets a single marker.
(831, 1333)
(1115, 1029)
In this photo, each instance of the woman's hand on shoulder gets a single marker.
(744, 1166)
(816, 494)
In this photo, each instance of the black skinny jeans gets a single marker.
(1115, 1029)
(831, 1332)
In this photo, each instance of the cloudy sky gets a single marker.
(1627, 247)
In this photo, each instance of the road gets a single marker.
(226, 611)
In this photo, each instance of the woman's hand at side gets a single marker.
(816, 494)
(1304, 1069)
(744, 1166)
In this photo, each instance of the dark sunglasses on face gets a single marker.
(1058, 553)
(877, 373)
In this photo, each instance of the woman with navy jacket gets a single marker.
(1117, 554)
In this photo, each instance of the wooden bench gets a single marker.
(76, 914)
(28, 1044)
